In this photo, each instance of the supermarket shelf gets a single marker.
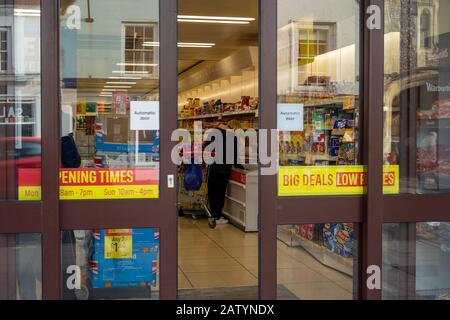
(301, 157)
(238, 184)
(322, 254)
(219, 115)
(237, 222)
(322, 249)
(330, 104)
(236, 200)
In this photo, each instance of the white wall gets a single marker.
(229, 89)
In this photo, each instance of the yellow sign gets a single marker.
(94, 192)
(30, 193)
(93, 184)
(118, 247)
(109, 192)
(332, 180)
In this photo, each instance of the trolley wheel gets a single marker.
(212, 223)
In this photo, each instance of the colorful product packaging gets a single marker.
(338, 238)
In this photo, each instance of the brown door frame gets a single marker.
(267, 120)
(58, 216)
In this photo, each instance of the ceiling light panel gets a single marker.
(213, 21)
(130, 72)
(125, 78)
(189, 17)
(137, 64)
(121, 83)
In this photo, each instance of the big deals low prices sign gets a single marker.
(332, 180)
(94, 184)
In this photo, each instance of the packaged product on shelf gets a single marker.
(305, 231)
(81, 108)
(349, 136)
(349, 102)
(333, 146)
(91, 108)
(347, 154)
(318, 121)
(338, 238)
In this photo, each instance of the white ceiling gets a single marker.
(228, 38)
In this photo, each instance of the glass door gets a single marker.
(315, 179)
(116, 199)
(218, 106)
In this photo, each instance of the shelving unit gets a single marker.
(241, 197)
(330, 136)
(287, 235)
(221, 115)
(241, 202)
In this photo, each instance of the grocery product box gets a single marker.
(338, 238)
(305, 231)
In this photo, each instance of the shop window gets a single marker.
(20, 267)
(417, 97)
(110, 103)
(3, 50)
(140, 42)
(313, 40)
(111, 264)
(20, 101)
(317, 261)
(416, 260)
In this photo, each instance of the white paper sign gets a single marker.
(144, 115)
(290, 117)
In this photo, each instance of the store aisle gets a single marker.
(227, 257)
(214, 258)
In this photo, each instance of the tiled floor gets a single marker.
(209, 258)
(228, 257)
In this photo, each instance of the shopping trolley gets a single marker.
(191, 202)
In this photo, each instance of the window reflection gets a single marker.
(20, 100)
(417, 94)
(20, 267)
(416, 260)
